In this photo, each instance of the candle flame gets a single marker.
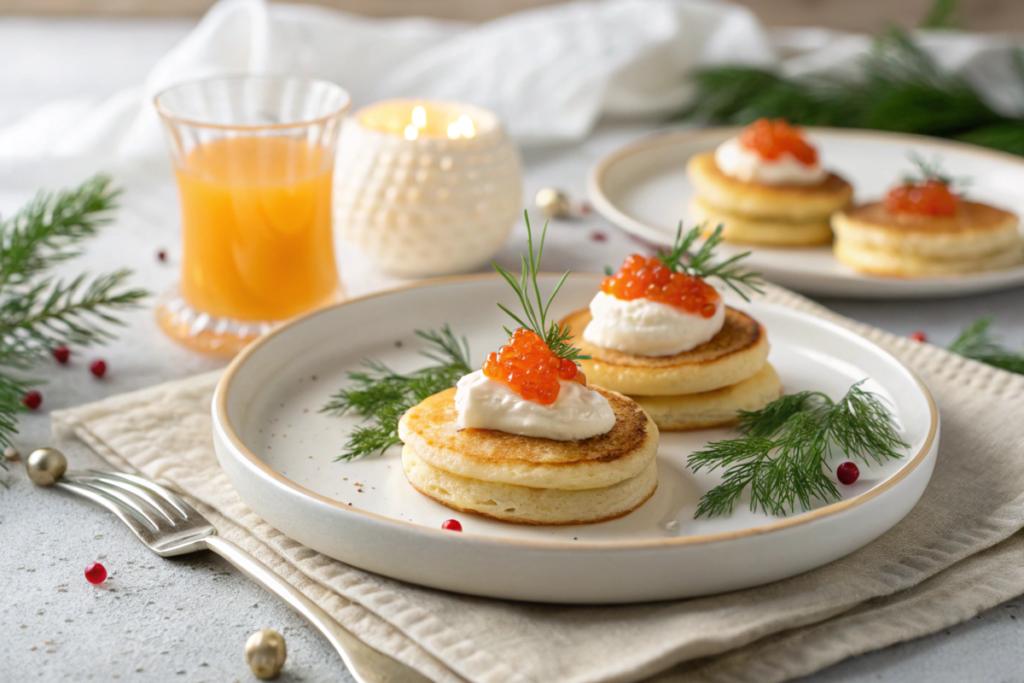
(411, 132)
(466, 127)
(419, 117)
(453, 130)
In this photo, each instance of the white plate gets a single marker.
(279, 452)
(643, 189)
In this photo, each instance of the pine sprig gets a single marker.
(38, 312)
(380, 393)
(48, 230)
(977, 342)
(557, 337)
(900, 88)
(683, 259)
(783, 455)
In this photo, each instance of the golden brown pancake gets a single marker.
(736, 353)
(716, 408)
(798, 203)
(978, 238)
(763, 231)
(524, 505)
(430, 429)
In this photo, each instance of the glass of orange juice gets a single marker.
(254, 160)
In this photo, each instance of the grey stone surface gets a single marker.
(187, 619)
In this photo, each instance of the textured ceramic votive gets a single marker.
(426, 188)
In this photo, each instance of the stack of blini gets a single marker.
(664, 337)
(766, 186)
(923, 227)
(526, 479)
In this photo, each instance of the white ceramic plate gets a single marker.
(643, 189)
(279, 452)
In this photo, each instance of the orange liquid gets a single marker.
(256, 215)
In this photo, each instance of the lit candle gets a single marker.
(427, 188)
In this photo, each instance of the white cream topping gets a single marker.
(577, 413)
(649, 328)
(737, 161)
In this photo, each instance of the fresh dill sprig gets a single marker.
(700, 263)
(784, 451)
(38, 312)
(899, 88)
(932, 170)
(557, 337)
(380, 393)
(977, 342)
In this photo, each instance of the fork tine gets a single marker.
(182, 507)
(140, 529)
(135, 506)
(100, 478)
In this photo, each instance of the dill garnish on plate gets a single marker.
(783, 454)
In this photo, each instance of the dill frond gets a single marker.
(783, 456)
(535, 309)
(681, 258)
(380, 393)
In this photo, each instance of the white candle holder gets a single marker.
(426, 188)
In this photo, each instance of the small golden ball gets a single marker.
(45, 466)
(265, 652)
(553, 202)
(11, 453)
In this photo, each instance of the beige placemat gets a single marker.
(953, 556)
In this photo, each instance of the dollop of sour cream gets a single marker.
(737, 161)
(577, 413)
(649, 328)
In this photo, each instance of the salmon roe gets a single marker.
(771, 139)
(530, 369)
(649, 278)
(929, 197)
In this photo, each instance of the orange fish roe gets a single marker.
(528, 367)
(649, 278)
(771, 139)
(925, 198)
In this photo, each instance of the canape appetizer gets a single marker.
(924, 227)
(658, 332)
(526, 439)
(766, 186)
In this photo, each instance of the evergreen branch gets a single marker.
(47, 230)
(977, 342)
(49, 314)
(535, 316)
(783, 455)
(900, 88)
(380, 393)
(682, 259)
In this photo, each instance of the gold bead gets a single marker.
(265, 652)
(553, 202)
(45, 466)
(12, 454)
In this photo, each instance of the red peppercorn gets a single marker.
(95, 573)
(451, 525)
(98, 368)
(32, 400)
(918, 336)
(847, 473)
(161, 256)
(598, 236)
(62, 353)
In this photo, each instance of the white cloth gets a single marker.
(550, 73)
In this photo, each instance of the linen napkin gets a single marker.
(957, 553)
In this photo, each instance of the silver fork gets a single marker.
(169, 526)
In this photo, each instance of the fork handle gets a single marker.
(364, 663)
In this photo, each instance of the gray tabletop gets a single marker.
(188, 618)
